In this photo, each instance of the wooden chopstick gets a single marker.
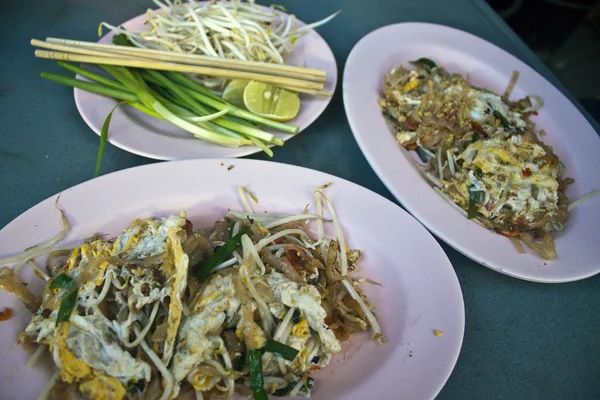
(168, 66)
(290, 71)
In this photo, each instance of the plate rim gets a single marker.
(241, 151)
(452, 284)
(388, 181)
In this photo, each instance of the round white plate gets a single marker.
(138, 133)
(419, 292)
(574, 141)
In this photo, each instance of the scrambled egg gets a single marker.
(88, 366)
(519, 180)
(179, 260)
(196, 344)
(308, 300)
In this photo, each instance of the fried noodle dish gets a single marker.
(253, 305)
(482, 152)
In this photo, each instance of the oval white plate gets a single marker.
(419, 292)
(573, 139)
(146, 136)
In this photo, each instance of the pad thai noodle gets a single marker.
(253, 305)
(481, 151)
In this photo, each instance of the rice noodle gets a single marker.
(511, 85)
(49, 386)
(35, 357)
(368, 314)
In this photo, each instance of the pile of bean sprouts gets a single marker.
(227, 29)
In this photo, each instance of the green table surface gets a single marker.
(522, 340)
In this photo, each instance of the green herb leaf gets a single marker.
(122, 40)
(505, 122)
(257, 381)
(476, 137)
(104, 138)
(389, 114)
(478, 172)
(475, 197)
(66, 307)
(430, 64)
(220, 255)
(60, 281)
(239, 364)
(281, 350)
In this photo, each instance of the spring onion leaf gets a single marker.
(476, 137)
(90, 86)
(475, 197)
(104, 138)
(66, 307)
(122, 40)
(257, 381)
(506, 123)
(205, 269)
(430, 64)
(60, 281)
(281, 350)
(478, 172)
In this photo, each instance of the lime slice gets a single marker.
(234, 92)
(271, 101)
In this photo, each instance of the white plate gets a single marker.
(146, 136)
(419, 292)
(574, 140)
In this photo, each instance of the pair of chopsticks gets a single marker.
(298, 79)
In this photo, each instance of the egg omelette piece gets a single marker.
(216, 303)
(178, 262)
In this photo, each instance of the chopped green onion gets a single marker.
(476, 137)
(430, 64)
(66, 307)
(505, 122)
(475, 197)
(388, 113)
(478, 172)
(220, 255)
(257, 381)
(281, 350)
(60, 281)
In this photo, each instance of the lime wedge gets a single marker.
(271, 101)
(234, 92)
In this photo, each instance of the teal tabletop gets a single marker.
(522, 340)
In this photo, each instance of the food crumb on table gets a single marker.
(438, 333)
(230, 167)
